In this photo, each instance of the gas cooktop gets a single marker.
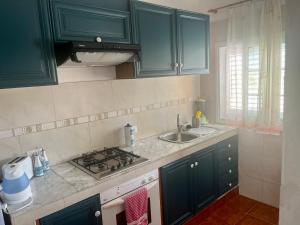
(102, 163)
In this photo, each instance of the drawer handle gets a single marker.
(196, 163)
(230, 184)
(192, 166)
(230, 171)
(229, 145)
(97, 214)
(98, 39)
(229, 158)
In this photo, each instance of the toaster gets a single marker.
(25, 162)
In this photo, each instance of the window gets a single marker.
(236, 83)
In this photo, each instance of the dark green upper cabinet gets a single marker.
(26, 47)
(77, 22)
(193, 42)
(155, 30)
(82, 213)
(173, 42)
(122, 5)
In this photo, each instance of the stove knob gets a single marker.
(143, 182)
(131, 160)
(150, 178)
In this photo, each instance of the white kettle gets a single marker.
(15, 186)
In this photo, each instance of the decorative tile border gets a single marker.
(30, 129)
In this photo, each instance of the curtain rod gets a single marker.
(227, 6)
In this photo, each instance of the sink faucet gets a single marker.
(179, 128)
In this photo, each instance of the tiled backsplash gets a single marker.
(30, 129)
(72, 118)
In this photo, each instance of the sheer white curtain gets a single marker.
(252, 82)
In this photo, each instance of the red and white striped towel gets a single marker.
(136, 207)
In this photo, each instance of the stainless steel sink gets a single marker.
(175, 138)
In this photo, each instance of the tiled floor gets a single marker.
(234, 209)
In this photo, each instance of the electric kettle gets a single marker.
(15, 187)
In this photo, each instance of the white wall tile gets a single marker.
(60, 144)
(271, 194)
(9, 147)
(250, 187)
(110, 132)
(25, 106)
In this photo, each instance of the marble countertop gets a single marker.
(65, 184)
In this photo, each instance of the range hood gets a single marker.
(94, 53)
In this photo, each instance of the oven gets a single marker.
(112, 203)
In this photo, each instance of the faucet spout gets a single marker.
(179, 128)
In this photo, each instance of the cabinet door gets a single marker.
(155, 30)
(193, 42)
(176, 191)
(26, 47)
(76, 22)
(204, 186)
(122, 5)
(82, 213)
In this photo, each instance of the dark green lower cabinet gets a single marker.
(204, 187)
(227, 164)
(190, 184)
(177, 195)
(82, 213)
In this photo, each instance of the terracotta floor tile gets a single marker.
(241, 204)
(229, 215)
(265, 213)
(213, 221)
(236, 210)
(249, 220)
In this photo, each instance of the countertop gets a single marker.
(65, 184)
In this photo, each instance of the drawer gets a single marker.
(74, 22)
(227, 184)
(228, 169)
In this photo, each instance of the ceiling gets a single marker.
(205, 5)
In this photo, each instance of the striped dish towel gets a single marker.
(136, 207)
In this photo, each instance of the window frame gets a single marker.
(245, 59)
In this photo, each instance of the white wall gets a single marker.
(290, 186)
(259, 154)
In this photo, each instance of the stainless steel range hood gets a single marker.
(95, 54)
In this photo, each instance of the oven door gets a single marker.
(113, 212)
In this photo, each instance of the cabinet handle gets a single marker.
(230, 171)
(229, 145)
(196, 163)
(181, 65)
(97, 214)
(98, 39)
(176, 65)
(229, 158)
(192, 166)
(230, 184)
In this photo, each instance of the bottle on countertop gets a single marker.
(130, 132)
(44, 160)
(38, 166)
(196, 119)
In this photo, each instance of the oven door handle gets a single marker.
(120, 201)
